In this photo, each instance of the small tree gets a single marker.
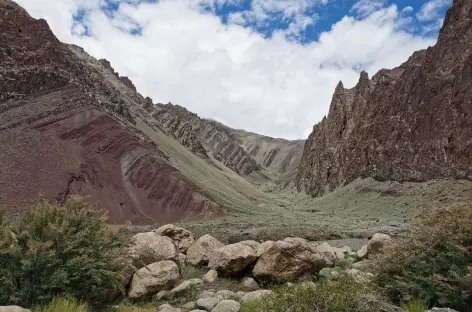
(433, 262)
(57, 249)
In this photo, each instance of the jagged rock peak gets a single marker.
(410, 123)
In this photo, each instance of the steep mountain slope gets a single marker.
(70, 125)
(411, 123)
(244, 152)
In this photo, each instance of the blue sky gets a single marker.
(268, 66)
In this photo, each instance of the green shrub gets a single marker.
(327, 296)
(433, 262)
(60, 304)
(415, 306)
(56, 250)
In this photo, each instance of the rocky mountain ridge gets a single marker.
(411, 123)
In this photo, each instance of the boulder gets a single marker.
(287, 261)
(226, 295)
(332, 254)
(256, 295)
(201, 251)
(168, 308)
(182, 237)
(206, 294)
(232, 259)
(377, 242)
(182, 258)
(362, 252)
(207, 303)
(192, 305)
(263, 247)
(251, 243)
(373, 304)
(153, 278)
(210, 277)
(227, 306)
(249, 283)
(359, 276)
(185, 287)
(149, 248)
(240, 294)
(13, 309)
(163, 294)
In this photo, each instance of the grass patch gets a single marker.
(415, 306)
(188, 271)
(329, 296)
(61, 304)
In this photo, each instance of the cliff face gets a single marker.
(243, 152)
(67, 126)
(412, 123)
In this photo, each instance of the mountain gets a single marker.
(241, 151)
(411, 123)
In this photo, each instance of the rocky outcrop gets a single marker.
(182, 237)
(411, 123)
(68, 126)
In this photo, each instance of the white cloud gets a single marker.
(275, 86)
(430, 10)
(366, 7)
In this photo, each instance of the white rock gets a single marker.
(153, 278)
(206, 294)
(377, 242)
(185, 287)
(226, 295)
(13, 309)
(227, 306)
(362, 253)
(149, 248)
(263, 247)
(200, 252)
(210, 277)
(183, 238)
(257, 295)
(232, 259)
(251, 243)
(207, 303)
(250, 283)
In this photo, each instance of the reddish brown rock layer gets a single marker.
(412, 123)
(67, 127)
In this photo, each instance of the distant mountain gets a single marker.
(69, 124)
(411, 123)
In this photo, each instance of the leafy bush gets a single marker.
(433, 262)
(55, 250)
(329, 296)
(415, 306)
(60, 304)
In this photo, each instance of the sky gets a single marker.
(267, 66)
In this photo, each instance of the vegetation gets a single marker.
(415, 306)
(59, 250)
(433, 263)
(329, 296)
(61, 304)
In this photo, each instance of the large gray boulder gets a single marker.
(182, 237)
(13, 309)
(263, 247)
(153, 278)
(201, 251)
(149, 248)
(210, 277)
(207, 303)
(227, 306)
(232, 259)
(288, 261)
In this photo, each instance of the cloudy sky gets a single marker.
(268, 66)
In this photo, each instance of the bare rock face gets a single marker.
(72, 121)
(153, 278)
(411, 123)
(288, 261)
